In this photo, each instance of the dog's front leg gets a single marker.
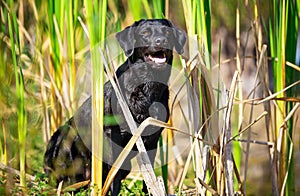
(117, 147)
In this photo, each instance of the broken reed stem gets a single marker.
(249, 125)
(13, 171)
(253, 92)
(229, 183)
(273, 96)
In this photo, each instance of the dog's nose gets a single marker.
(160, 41)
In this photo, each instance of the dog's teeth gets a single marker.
(157, 60)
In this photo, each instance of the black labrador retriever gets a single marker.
(143, 79)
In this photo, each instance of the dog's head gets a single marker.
(151, 41)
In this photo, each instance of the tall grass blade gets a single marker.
(164, 160)
(96, 12)
(283, 40)
(227, 146)
(71, 46)
(55, 66)
(236, 149)
(277, 39)
(204, 29)
(147, 8)
(292, 76)
(135, 8)
(20, 91)
(158, 8)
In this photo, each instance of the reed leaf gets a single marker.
(71, 45)
(158, 8)
(135, 8)
(96, 12)
(236, 149)
(292, 76)
(20, 92)
(283, 39)
(55, 15)
(42, 44)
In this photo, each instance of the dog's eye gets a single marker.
(167, 31)
(146, 33)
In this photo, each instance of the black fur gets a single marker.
(143, 82)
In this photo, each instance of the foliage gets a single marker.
(43, 45)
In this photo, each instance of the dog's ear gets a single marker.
(180, 39)
(126, 38)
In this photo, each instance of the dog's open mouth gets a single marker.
(158, 57)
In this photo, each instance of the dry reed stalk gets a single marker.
(13, 171)
(226, 148)
(263, 75)
(273, 96)
(239, 69)
(235, 146)
(201, 183)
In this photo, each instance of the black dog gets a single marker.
(143, 81)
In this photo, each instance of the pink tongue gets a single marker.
(158, 60)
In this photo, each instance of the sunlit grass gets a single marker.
(97, 32)
(20, 92)
(283, 40)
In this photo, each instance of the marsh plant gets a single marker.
(222, 118)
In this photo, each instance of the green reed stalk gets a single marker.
(141, 9)
(202, 21)
(20, 91)
(55, 13)
(158, 8)
(283, 39)
(164, 161)
(62, 17)
(204, 28)
(198, 21)
(277, 43)
(96, 12)
(3, 79)
(147, 8)
(70, 17)
(292, 76)
(135, 8)
(236, 149)
(188, 8)
(55, 16)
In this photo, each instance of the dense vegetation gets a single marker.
(248, 137)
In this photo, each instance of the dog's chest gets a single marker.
(148, 100)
